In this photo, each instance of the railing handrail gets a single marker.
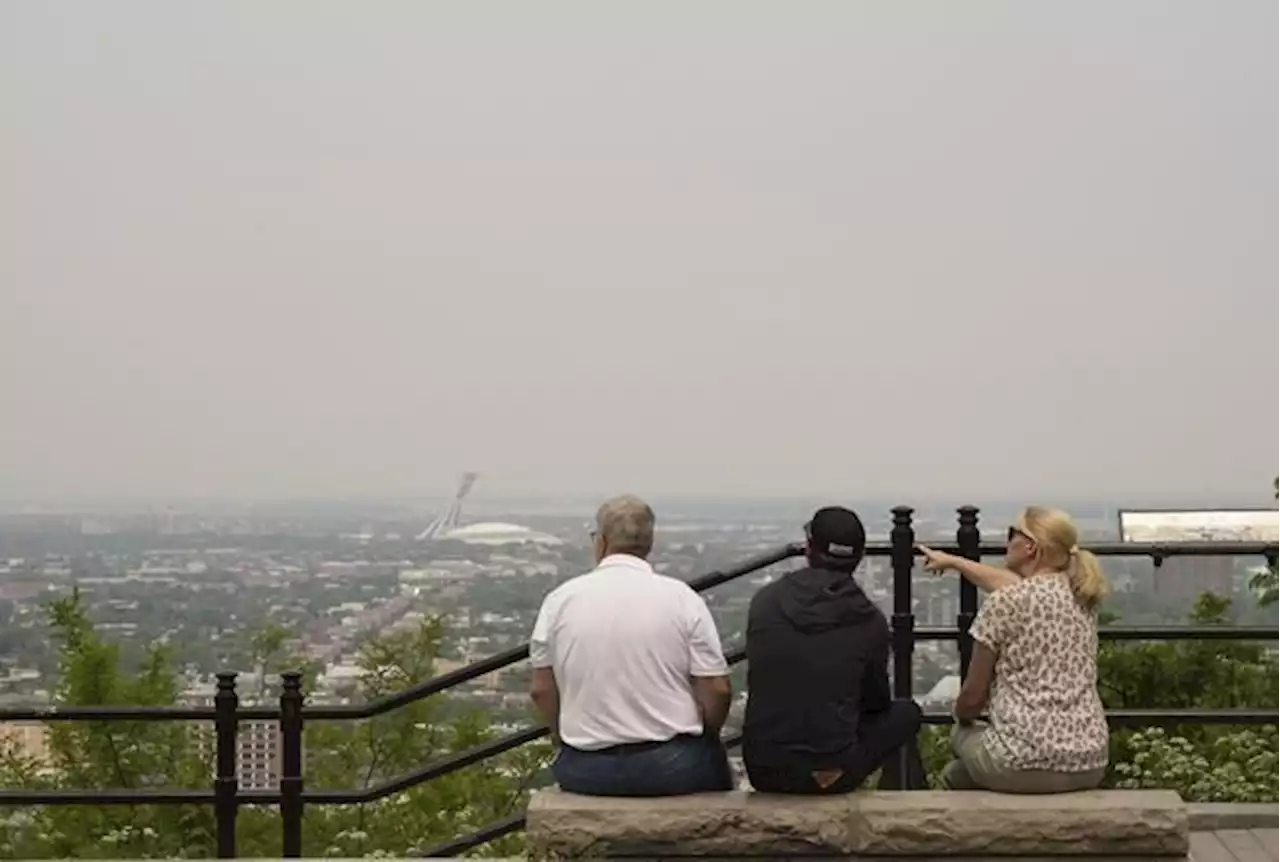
(506, 658)
(460, 760)
(1156, 550)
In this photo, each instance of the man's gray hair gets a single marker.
(626, 525)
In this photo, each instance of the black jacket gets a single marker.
(817, 659)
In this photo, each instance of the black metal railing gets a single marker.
(292, 714)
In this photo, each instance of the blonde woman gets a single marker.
(1034, 668)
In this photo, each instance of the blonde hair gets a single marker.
(1056, 538)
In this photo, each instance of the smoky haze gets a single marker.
(922, 250)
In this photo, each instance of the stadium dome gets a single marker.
(493, 533)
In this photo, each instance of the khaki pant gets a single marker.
(975, 769)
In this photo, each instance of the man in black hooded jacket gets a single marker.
(820, 717)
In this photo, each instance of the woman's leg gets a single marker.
(956, 777)
(975, 768)
(1034, 781)
(966, 746)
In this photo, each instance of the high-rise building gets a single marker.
(26, 739)
(257, 744)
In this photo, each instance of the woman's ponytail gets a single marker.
(1087, 580)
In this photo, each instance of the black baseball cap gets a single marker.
(837, 534)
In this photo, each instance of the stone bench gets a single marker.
(920, 824)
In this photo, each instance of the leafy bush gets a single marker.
(1235, 767)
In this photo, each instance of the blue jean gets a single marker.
(685, 764)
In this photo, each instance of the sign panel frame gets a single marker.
(1174, 526)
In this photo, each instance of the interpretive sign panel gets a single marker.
(1206, 525)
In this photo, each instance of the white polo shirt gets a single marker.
(623, 642)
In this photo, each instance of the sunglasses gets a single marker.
(1014, 532)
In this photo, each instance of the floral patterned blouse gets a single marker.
(1045, 711)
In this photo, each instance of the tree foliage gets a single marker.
(365, 754)
(1203, 674)
(1266, 583)
(1237, 766)
(99, 755)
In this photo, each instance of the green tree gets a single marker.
(99, 755)
(365, 754)
(1266, 583)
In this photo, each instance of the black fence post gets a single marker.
(226, 762)
(902, 539)
(291, 764)
(969, 538)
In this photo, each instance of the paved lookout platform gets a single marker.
(1150, 824)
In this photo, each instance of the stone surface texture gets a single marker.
(1207, 816)
(1108, 823)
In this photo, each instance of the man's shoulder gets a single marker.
(600, 579)
(764, 595)
(764, 609)
(871, 620)
(677, 589)
(575, 584)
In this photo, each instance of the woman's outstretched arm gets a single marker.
(984, 577)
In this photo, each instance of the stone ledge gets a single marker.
(1108, 823)
(1211, 816)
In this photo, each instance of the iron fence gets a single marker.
(292, 713)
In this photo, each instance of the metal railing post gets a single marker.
(226, 785)
(902, 539)
(291, 764)
(969, 540)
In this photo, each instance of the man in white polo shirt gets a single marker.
(629, 673)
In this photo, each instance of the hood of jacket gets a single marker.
(815, 600)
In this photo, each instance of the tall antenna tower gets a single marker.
(446, 522)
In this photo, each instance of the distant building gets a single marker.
(499, 534)
(258, 744)
(26, 739)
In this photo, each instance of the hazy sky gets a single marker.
(922, 250)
